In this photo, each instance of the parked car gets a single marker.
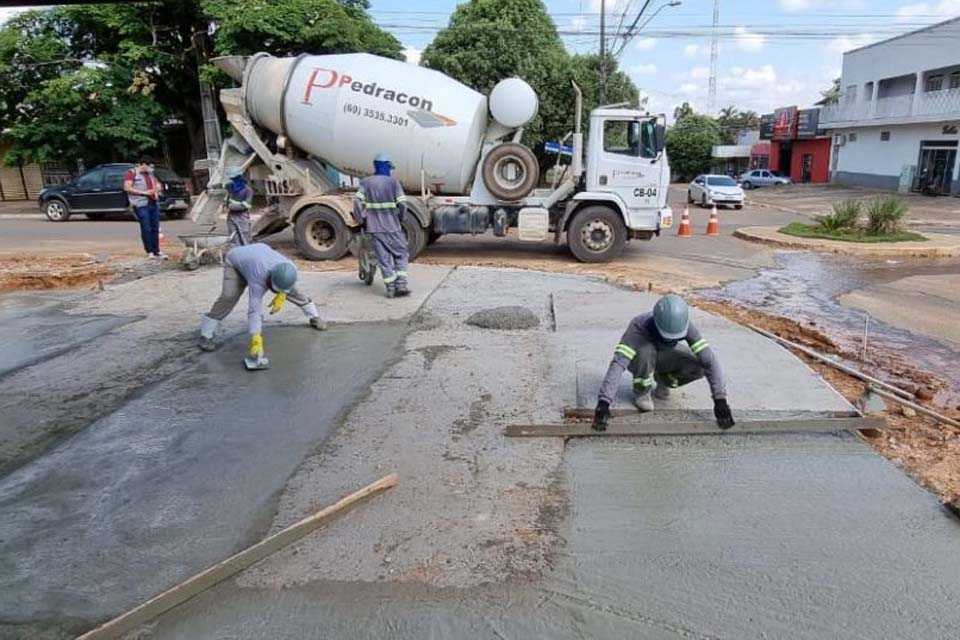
(99, 192)
(763, 178)
(715, 189)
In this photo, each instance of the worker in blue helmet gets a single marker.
(650, 350)
(380, 206)
(259, 268)
(239, 202)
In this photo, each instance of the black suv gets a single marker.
(100, 191)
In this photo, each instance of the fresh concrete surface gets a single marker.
(929, 305)
(748, 537)
(936, 244)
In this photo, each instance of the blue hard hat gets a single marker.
(232, 172)
(382, 157)
(282, 277)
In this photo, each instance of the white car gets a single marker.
(711, 189)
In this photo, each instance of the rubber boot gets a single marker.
(391, 290)
(402, 289)
(208, 330)
(644, 401)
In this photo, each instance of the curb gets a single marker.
(938, 244)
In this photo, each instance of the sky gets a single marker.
(771, 53)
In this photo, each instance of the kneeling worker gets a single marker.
(649, 350)
(260, 268)
(380, 206)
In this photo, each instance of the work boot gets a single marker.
(662, 391)
(644, 401)
(391, 290)
(208, 329)
(402, 289)
(318, 324)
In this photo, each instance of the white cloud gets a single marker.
(763, 77)
(797, 6)
(693, 50)
(412, 54)
(645, 44)
(578, 23)
(749, 42)
(929, 11)
(698, 73)
(846, 43)
(688, 88)
(643, 69)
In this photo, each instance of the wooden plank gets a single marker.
(586, 413)
(219, 572)
(696, 428)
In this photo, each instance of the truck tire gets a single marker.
(416, 235)
(597, 234)
(432, 236)
(56, 210)
(510, 171)
(321, 234)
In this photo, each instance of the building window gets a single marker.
(853, 137)
(868, 92)
(934, 83)
(950, 129)
(850, 95)
(955, 80)
(884, 136)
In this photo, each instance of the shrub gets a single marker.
(846, 215)
(885, 216)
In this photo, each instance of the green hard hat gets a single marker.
(671, 317)
(283, 276)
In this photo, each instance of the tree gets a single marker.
(690, 144)
(150, 51)
(682, 111)
(831, 95)
(728, 119)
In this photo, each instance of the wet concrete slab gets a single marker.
(34, 328)
(178, 478)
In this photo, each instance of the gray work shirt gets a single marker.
(254, 262)
(637, 340)
(380, 202)
(240, 201)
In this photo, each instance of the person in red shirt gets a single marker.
(143, 190)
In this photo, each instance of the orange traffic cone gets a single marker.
(713, 225)
(163, 239)
(684, 230)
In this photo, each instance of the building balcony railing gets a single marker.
(931, 103)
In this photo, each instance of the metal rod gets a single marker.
(836, 365)
(866, 329)
(916, 407)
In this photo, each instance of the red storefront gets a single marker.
(798, 148)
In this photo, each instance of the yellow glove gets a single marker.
(277, 302)
(256, 346)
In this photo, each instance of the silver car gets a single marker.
(763, 178)
(715, 189)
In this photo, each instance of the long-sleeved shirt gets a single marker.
(240, 201)
(380, 202)
(636, 341)
(254, 262)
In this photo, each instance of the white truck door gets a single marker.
(629, 146)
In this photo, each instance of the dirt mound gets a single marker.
(505, 318)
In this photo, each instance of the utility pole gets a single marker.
(712, 91)
(603, 51)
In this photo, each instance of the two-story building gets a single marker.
(897, 124)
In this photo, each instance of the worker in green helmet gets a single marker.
(650, 350)
(258, 268)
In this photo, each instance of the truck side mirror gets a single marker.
(661, 136)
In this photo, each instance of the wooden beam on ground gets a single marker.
(219, 572)
(586, 413)
(695, 428)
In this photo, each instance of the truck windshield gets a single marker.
(721, 181)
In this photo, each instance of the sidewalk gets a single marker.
(20, 208)
(816, 199)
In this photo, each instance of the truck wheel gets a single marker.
(510, 171)
(432, 237)
(597, 234)
(321, 234)
(416, 235)
(56, 211)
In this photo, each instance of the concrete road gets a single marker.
(716, 536)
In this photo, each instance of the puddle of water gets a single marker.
(806, 287)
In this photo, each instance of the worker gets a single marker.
(380, 206)
(260, 268)
(239, 203)
(650, 350)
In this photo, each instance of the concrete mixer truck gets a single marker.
(300, 122)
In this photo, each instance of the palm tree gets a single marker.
(682, 112)
(728, 119)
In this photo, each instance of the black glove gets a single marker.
(721, 411)
(601, 415)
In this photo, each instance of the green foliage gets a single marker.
(682, 111)
(690, 145)
(845, 216)
(801, 230)
(885, 216)
(489, 40)
(732, 120)
(831, 95)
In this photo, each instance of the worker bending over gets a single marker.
(260, 268)
(649, 349)
(239, 203)
(380, 206)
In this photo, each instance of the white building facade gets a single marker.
(897, 124)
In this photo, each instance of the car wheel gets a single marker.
(597, 234)
(738, 206)
(703, 201)
(689, 197)
(746, 185)
(56, 211)
(176, 214)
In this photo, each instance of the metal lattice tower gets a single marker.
(712, 90)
